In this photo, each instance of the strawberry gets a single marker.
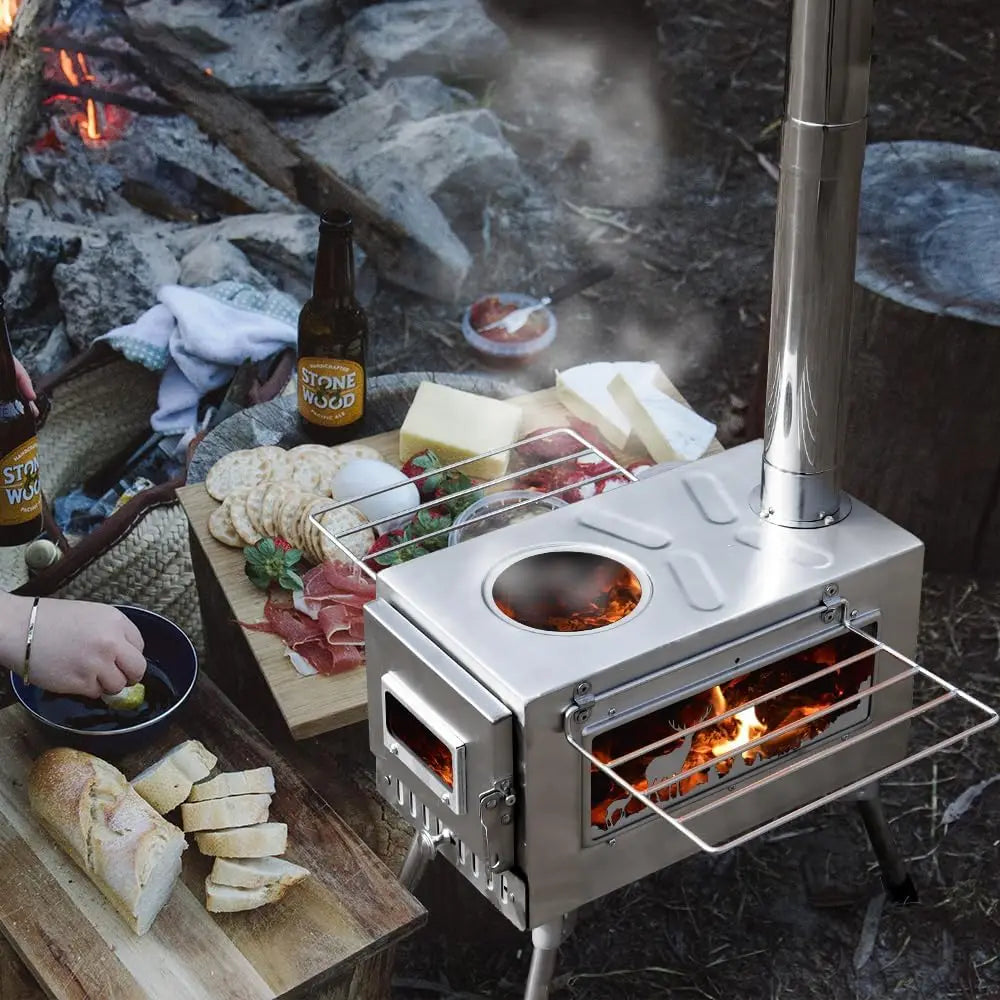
(420, 465)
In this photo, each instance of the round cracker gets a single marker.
(309, 533)
(241, 521)
(343, 519)
(308, 472)
(273, 492)
(341, 454)
(254, 499)
(244, 469)
(220, 527)
(286, 521)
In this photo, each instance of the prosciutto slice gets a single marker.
(326, 625)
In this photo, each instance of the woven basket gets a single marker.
(100, 405)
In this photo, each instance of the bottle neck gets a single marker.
(334, 277)
(9, 391)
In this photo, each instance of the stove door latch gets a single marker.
(496, 814)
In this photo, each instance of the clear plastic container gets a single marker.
(495, 502)
(509, 352)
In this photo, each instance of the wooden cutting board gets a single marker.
(314, 705)
(77, 947)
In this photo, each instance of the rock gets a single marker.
(300, 38)
(438, 264)
(111, 282)
(34, 245)
(278, 247)
(216, 259)
(425, 36)
(351, 132)
(54, 354)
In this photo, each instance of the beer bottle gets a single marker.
(20, 489)
(333, 341)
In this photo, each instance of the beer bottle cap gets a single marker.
(41, 553)
(334, 220)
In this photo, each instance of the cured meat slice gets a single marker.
(329, 659)
(332, 579)
(334, 619)
(283, 620)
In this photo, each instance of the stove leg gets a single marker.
(899, 886)
(545, 941)
(423, 847)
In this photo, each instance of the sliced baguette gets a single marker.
(222, 814)
(263, 840)
(253, 873)
(168, 782)
(230, 899)
(259, 780)
(126, 848)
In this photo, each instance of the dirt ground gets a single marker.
(657, 129)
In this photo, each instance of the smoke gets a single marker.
(595, 105)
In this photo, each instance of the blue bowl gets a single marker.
(173, 658)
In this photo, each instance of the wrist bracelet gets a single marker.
(27, 641)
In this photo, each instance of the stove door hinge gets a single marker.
(583, 698)
(496, 814)
(834, 606)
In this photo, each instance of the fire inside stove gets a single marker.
(427, 746)
(567, 591)
(679, 767)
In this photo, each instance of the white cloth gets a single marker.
(198, 336)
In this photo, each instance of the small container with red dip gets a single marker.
(498, 347)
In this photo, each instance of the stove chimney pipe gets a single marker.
(822, 156)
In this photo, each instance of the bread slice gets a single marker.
(253, 873)
(229, 899)
(221, 814)
(168, 782)
(263, 840)
(126, 848)
(259, 780)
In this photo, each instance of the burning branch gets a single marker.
(86, 92)
(21, 66)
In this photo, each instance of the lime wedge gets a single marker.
(128, 698)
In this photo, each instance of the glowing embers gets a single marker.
(413, 734)
(567, 591)
(703, 755)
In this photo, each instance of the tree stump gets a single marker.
(923, 438)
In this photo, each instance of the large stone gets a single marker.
(426, 36)
(437, 265)
(216, 260)
(287, 43)
(33, 245)
(354, 130)
(111, 282)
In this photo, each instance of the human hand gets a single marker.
(79, 647)
(25, 386)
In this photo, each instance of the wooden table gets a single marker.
(331, 938)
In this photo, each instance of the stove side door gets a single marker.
(443, 743)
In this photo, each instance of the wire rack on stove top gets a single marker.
(586, 449)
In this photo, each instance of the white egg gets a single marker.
(366, 475)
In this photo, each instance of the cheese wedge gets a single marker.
(668, 430)
(583, 390)
(458, 425)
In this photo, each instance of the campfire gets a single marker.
(709, 728)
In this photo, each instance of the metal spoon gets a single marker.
(513, 321)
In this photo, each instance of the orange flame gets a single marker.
(8, 8)
(76, 71)
(657, 773)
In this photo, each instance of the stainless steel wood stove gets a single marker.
(572, 702)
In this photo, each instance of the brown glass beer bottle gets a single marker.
(333, 341)
(20, 488)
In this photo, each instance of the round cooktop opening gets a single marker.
(567, 591)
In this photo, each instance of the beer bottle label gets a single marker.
(331, 392)
(20, 488)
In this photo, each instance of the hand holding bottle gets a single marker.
(78, 647)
